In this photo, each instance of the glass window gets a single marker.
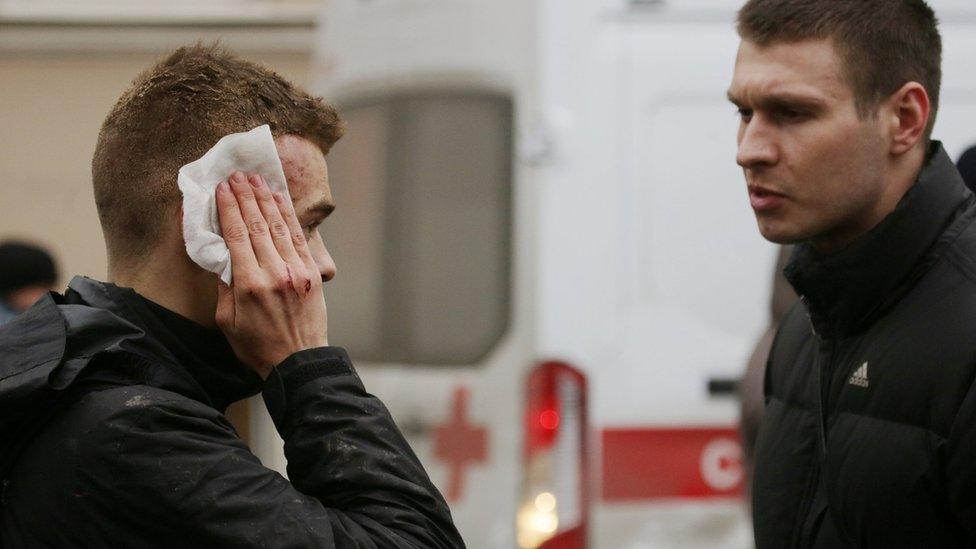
(422, 232)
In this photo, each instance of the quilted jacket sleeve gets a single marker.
(354, 482)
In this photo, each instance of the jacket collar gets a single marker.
(847, 291)
(218, 378)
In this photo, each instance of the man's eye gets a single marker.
(791, 115)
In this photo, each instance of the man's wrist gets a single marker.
(276, 361)
(281, 389)
(305, 365)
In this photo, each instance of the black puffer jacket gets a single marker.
(869, 435)
(112, 435)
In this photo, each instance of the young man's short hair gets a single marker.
(171, 115)
(884, 43)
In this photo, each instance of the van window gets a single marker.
(421, 234)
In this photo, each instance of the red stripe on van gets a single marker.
(570, 539)
(648, 464)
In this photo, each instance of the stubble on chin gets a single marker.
(779, 231)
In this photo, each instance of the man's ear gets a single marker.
(909, 110)
(179, 232)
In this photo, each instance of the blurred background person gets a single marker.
(751, 387)
(26, 273)
(967, 167)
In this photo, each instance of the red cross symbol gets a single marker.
(459, 443)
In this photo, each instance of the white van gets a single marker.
(547, 259)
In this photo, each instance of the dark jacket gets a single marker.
(112, 435)
(869, 435)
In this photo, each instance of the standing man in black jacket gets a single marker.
(869, 434)
(112, 396)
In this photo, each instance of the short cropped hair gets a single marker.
(171, 115)
(884, 44)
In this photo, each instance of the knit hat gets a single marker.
(23, 265)
(967, 167)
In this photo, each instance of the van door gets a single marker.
(695, 291)
(423, 237)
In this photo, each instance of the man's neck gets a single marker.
(178, 285)
(901, 175)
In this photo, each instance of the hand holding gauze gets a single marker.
(250, 152)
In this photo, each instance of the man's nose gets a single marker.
(757, 145)
(324, 261)
(327, 268)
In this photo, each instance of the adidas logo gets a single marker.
(860, 376)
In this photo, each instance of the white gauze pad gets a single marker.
(248, 152)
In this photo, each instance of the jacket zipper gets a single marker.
(824, 373)
(824, 376)
(822, 369)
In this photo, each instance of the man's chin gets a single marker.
(780, 235)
